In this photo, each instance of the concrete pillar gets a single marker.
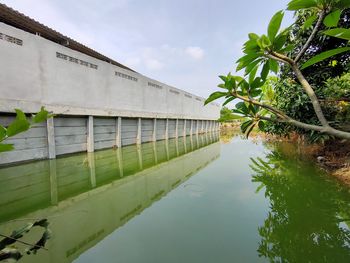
(191, 129)
(51, 138)
(177, 147)
(91, 160)
(167, 149)
(154, 134)
(120, 161)
(202, 126)
(197, 127)
(155, 152)
(177, 128)
(191, 141)
(166, 129)
(53, 182)
(185, 144)
(139, 155)
(138, 135)
(90, 134)
(197, 140)
(118, 132)
(184, 131)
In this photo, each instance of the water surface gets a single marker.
(189, 200)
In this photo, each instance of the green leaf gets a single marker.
(17, 126)
(223, 78)
(258, 82)
(252, 74)
(41, 116)
(295, 5)
(255, 92)
(6, 147)
(342, 4)
(332, 19)
(251, 66)
(253, 36)
(2, 133)
(324, 55)
(274, 25)
(20, 124)
(246, 60)
(279, 42)
(265, 42)
(242, 107)
(287, 48)
(261, 125)
(245, 125)
(228, 100)
(342, 33)
(249, 129)
(309, 22)
(265, 70)
(215, 96)
(222, 86)
(273, 66)
(20, 115)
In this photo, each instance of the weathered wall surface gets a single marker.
(35, 71)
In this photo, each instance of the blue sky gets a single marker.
(184, 43)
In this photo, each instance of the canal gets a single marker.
(195, 199)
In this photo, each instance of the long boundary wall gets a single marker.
(71, 134)
(97, 104)
(37, 72)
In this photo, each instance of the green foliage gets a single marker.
(326, 57)
(19, 125)
(338, 87)
(226, 115)
(322, 56)
(342, 33)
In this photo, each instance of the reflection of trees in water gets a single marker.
(307, 217)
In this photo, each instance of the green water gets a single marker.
(189, 200)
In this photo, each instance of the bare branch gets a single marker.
(311, 37)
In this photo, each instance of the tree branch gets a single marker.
(304, 83)
(311, 37)
(311, 93)
(283, 118)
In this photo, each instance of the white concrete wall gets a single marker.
(31, 76)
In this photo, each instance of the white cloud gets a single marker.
(153, 64)
(195, 52)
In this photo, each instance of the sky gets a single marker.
(183, 43)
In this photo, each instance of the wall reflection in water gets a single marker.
(87, 196)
